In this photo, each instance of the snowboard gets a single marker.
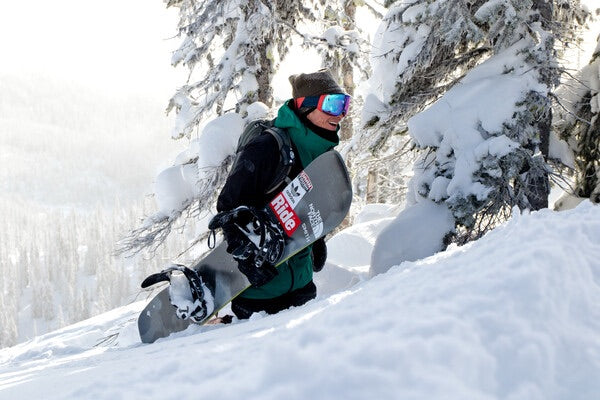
(309, 207)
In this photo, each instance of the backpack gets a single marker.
(286, 153)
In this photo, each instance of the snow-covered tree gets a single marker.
(48, 279)
(233, 49)
(472, 85)
(230, 49)
(578, 123)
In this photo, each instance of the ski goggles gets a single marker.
(332, 104)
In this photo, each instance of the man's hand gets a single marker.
(319, 254)
(257, 276)
(254, 239)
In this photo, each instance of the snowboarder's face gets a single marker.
(322, 120)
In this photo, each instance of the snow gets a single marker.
(332, 35)
(414, 13)
(373, 108)
(386, 42)
(490, 320)
(466, 123)
(489, 9)
(257, 110)
(180, 295)
(403, 239)
(176, 186)
(467, 105)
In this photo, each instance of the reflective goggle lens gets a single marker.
(334, 104)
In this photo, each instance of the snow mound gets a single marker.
(417, 232)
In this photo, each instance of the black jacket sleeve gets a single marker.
(319, 254)
(251, 175)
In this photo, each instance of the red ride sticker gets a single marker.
(285, 214)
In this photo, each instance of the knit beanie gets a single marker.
(314, 84)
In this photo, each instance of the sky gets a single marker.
(106, 64)
(112, 45)
(109, 45)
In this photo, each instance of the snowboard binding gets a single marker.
(254, 236)
(187, 293)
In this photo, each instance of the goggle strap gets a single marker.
(299, 102)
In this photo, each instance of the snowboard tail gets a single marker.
(308, 208)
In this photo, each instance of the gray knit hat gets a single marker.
(314, 84)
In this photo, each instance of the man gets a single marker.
(312, 121)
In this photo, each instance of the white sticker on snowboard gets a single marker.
(284, 203)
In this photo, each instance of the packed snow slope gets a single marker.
(514, 315)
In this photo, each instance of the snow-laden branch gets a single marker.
(189, 188)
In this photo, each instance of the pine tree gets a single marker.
(8, 301)
(232, 49)
(8, 321)
(40, 264)
(434, 45)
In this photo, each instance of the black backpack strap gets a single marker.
(252, 130)
(286, 157)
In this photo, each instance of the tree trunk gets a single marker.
(372, 187)
(347, 72)
(264, 76)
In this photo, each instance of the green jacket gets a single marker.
(297, 272)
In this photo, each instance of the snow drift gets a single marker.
(490, 320)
